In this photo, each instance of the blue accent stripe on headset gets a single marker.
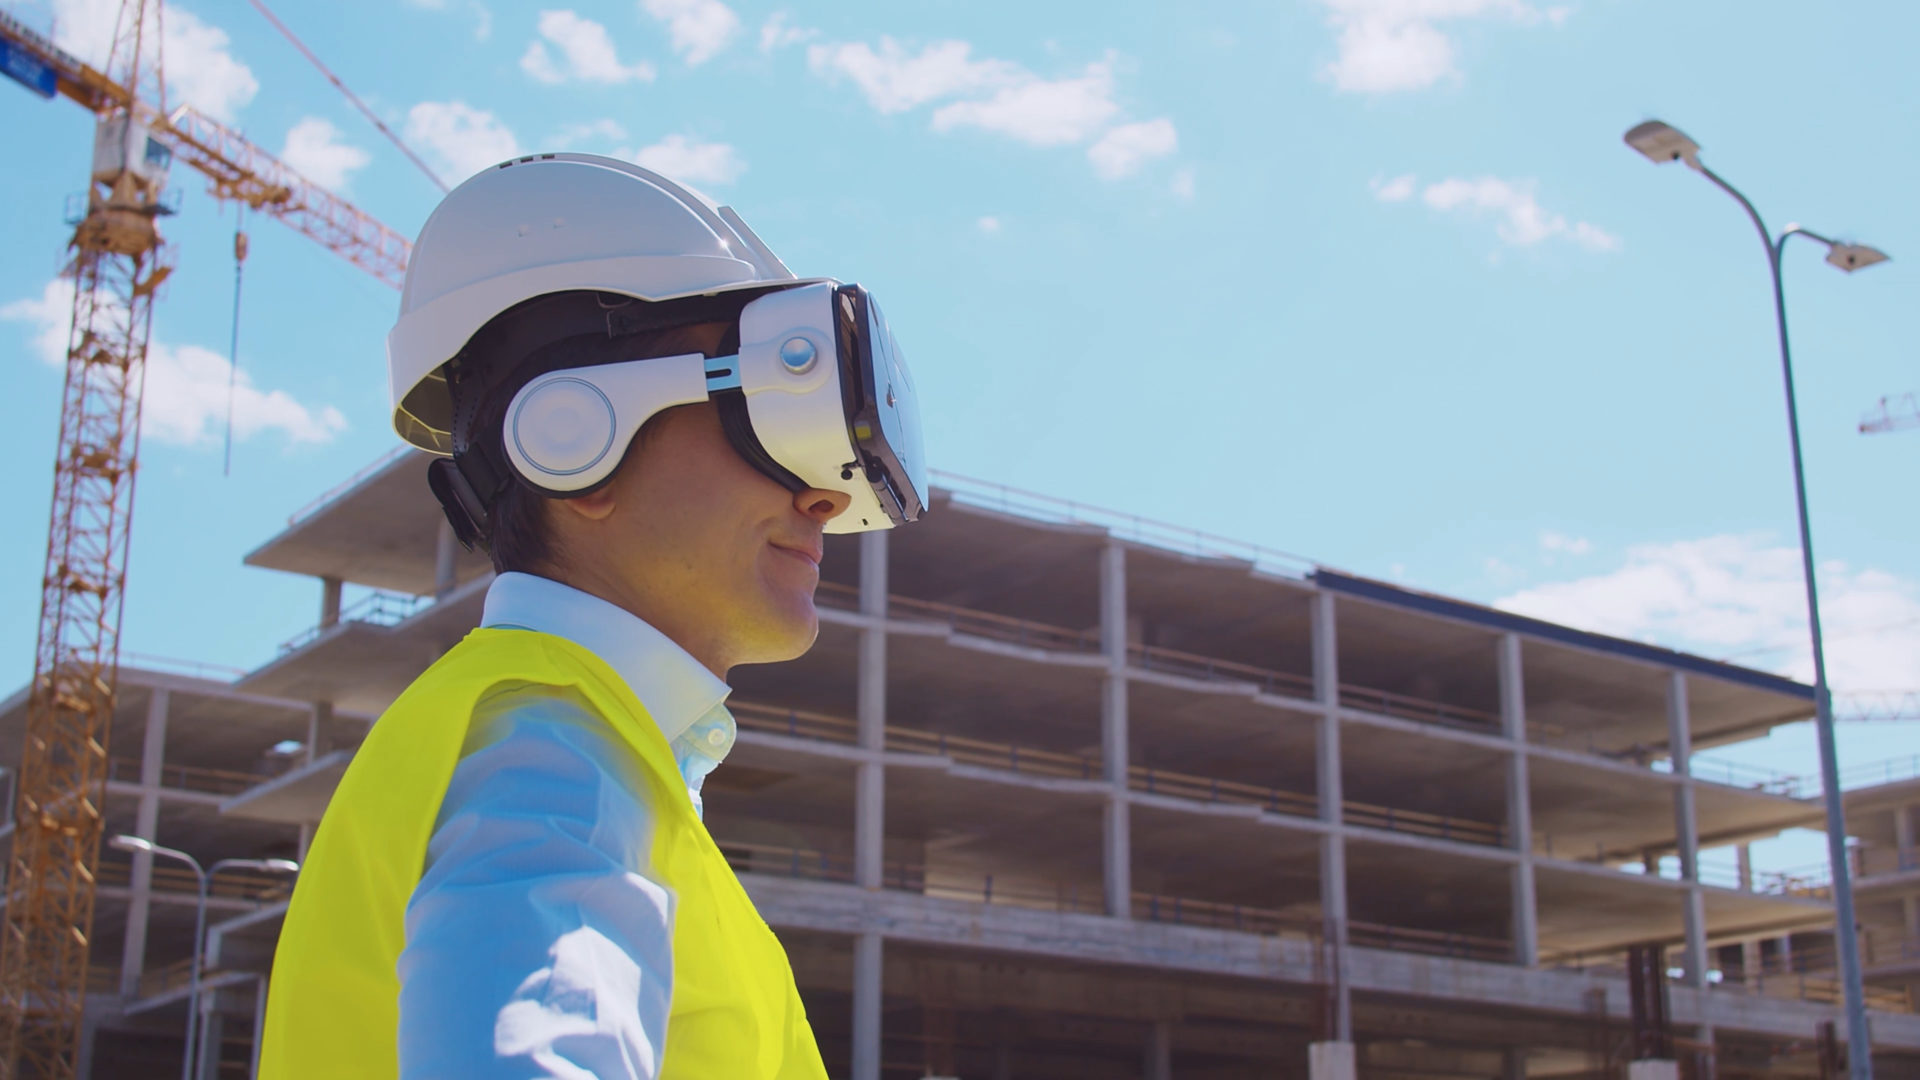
(723, 373)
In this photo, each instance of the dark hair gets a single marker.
(519, 534)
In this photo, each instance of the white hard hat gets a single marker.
(815, 393)
(544, 224)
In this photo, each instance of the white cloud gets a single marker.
(1125, 147)
(699, 28)
(314, 150)
(690, 162)
(201, 71)
(587, 49)
(988, 224)
(462, 139)
(1738, 596)
(894, 81)
(1398, 189)
(1387, 46)
(1523, 222)
(589, 131)
(778, 33)
(1561, 542)
(185, 398)
(1041, 112)
(1182, 185)
(998, 96)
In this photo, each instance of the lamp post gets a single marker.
(1662, 143)
(204, 877)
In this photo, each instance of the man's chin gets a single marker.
(792, 624)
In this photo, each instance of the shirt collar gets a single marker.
(676, 689)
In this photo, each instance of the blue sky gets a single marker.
(1371, 280)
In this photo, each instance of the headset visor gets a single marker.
(883, 412)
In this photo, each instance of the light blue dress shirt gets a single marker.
(537, 946)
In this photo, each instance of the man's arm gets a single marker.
(534, 947)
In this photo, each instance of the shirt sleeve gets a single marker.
(536, 945)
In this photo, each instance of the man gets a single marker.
(650, 424)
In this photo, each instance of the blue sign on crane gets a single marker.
(27, 69)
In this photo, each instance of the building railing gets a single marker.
(1065, 897)
(752, 716)
(1874, 773)
(186, 777)
(1210, 669)
(1168, 537)
(1752, 777)
(1810, 882)
(1874, 861)
(378, 608)
(1803, 976)
(172, 878)
(199, 669)
(348, 484)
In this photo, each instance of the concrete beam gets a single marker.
(822, 907)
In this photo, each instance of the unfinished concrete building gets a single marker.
(1060, 793)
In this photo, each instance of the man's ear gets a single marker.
(594, 506)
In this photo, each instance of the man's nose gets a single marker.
(822, 505)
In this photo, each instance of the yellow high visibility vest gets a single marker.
(333, 1001)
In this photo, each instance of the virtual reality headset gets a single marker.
(814, 393)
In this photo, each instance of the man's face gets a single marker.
(702, 545)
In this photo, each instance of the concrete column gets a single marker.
(866, 1007)
(1910, 916)
(259, 1026)
(89, 1035)
(1513, 721)
(1743, 866)
(1750, 962)
(1686, 827)
(1333, 845)
(319, 730)
(445, 550)
(213, 1025)
(1903, 838)
(1331, 1061)
(329, 601)
(146, 821)
(1159, 1057)
(1514, 1063)
(870, 777)
(1117, 835)
(870, 795)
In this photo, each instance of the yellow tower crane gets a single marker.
(118, 262)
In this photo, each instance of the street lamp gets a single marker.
(141, 845)
(1662, 143)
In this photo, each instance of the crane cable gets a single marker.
(233, 344)
(351, 96)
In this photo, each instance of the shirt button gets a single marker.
(716, 738)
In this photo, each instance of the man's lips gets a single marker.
(811, 555)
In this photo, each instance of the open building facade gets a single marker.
(1061, 794)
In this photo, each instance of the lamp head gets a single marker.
(1662, 142)
(284, 866)
(1851, 257)
(125, 842)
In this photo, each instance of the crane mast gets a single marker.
(117, 263)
